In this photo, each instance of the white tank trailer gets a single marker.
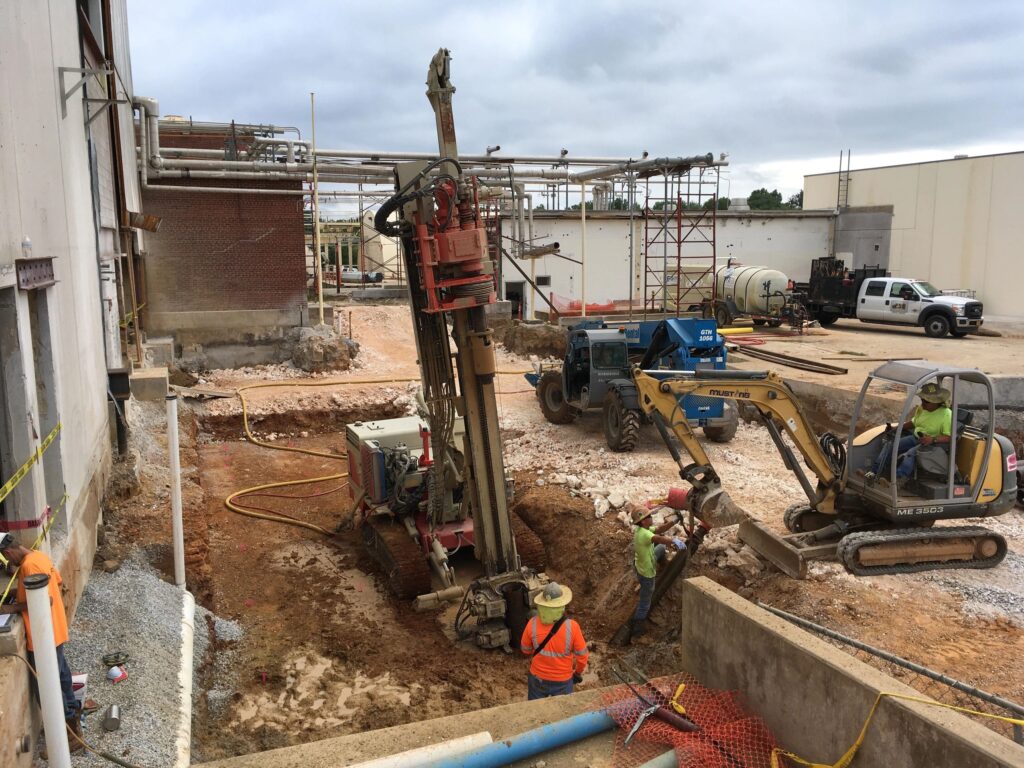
(753, 290)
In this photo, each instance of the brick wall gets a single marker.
(218, 252)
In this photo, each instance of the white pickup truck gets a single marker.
(871, 295)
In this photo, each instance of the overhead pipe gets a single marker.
(654, 163)
(227, 127)
(491, 160)
(531, 743)
(51, 698)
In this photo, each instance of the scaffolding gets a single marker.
(679, 257)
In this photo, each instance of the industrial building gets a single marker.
(955, 222)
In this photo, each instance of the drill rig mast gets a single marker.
(451, 280)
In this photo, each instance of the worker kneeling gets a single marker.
(932, 423)
(555, 644)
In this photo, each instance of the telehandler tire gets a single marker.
(725, 432)
(621, 424)
(552, 399)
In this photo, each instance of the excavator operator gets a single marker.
(932, 423)
(555, 644)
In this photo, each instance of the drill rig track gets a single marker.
(403, 562)
(910, 550)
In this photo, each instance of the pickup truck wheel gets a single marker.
(621, 424)
(936, 326)
(723, 433)
(552, 398)
(826, 318)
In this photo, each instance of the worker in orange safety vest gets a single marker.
(555, 644)
(28, 562)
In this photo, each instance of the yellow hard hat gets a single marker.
(554, 595)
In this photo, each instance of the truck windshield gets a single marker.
(610, 354)
(926, 289)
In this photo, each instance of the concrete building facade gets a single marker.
(955, 222)
(67, 183)
(782, 240)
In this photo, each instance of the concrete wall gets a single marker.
(223, 269)
(955, 223)
(783, 241)
(46, 194)
(815, 698)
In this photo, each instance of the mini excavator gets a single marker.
(872, 527)
(429, 485)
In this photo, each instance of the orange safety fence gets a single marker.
(567, 306)
(729, 736)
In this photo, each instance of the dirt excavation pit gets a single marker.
(325, 648)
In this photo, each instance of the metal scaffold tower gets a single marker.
(679, 241)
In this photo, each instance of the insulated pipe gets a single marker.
(480, 159)
(183, 739)
(531, 743)
(51, 698)
(150, 111)
(443, 749)
(653, 163)
(177, 529)
(237, 165)
(327, 177)
(242, 191)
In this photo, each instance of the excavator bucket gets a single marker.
(718, 510)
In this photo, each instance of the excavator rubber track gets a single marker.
(403, 562)
(528, 544)
(920, 549)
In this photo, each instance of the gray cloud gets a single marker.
(764, 81)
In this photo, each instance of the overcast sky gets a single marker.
(781, 86)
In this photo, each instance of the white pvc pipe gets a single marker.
(424, 755)
(183, 740)
(177, 527)
(50, 696)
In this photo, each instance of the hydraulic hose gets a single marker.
(234, 503)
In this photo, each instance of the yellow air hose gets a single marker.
(232, 501)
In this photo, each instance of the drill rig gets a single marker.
(427, 486)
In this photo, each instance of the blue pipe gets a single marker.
(550, 736)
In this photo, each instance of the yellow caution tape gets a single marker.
(18, 476)
(35, 544)
(848, 756)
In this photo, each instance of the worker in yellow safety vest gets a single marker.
(555, 644)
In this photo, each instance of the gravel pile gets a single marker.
(130, 610)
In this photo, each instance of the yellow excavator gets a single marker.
(871, 526)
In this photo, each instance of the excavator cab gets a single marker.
(972, 475)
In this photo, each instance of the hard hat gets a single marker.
(639, 513)
(933, 393)
(554, 596)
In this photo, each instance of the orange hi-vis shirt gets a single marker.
(566, 653)
(37, 562)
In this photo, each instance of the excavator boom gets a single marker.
(660, 397)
